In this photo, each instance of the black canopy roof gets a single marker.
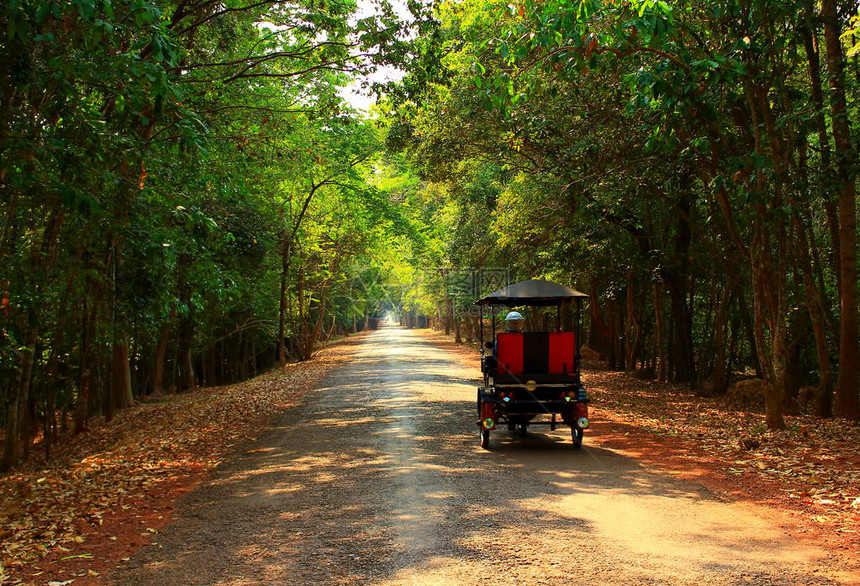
(532, 292)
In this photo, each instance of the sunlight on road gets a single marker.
(378, 478)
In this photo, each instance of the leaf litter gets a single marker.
(50, 509)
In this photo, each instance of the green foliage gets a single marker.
(155, 161)
(638, 142)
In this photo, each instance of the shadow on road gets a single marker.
(377, 477)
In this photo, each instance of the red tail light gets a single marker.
(582, 410)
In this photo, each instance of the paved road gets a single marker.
(376, 477)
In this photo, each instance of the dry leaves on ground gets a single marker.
(46, 508)
(812, 461)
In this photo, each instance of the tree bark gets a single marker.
(658, 333)
(814, 305)
(676, 280)
(633, 333)
(18, 405)
(185, 355)
(683, 357)
(719, 377)
(810, 38)
(615, 350)
(161, 353)
(282, 306)
(814, 301)
(449, 310)
(121, 395)
(85, 384)
(599, 336)
(42, 257)
(847, 398)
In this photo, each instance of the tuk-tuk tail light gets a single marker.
(582, 422)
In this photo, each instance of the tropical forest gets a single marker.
(200, 196)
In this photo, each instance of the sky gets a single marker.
(353, 93)
(360, 99)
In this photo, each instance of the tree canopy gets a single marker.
(691, 164)
(188, 199)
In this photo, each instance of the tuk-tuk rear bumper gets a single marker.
(516, 403)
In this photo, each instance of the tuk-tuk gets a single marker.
(532, 377)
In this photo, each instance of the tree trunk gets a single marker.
(282, 306)
(798, 337)
(769, 309)
(769, 252)
(449, 305)
(599, 336)
(467, 325)
(85, 385)
(42, 257)
(719, 378)
(567, 318)
(658, 333)
(633, 334)
(185, 354)
(18, 405)
(823, 396)
(810, 43)
(847, 397)
(684, 361)
(186, 368)
(676, 280)
(312, 336)
(160, 354)
(612, 325)
(121, 395)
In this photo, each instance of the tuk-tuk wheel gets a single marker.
(576, 434)
(485, 438)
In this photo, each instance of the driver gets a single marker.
(514, 322)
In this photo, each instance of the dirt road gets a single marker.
(377, 478)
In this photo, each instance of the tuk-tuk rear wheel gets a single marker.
(576, 434)
(485, 438)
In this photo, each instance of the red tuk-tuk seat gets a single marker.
(536, 353)
(509, 352)
(562, 353)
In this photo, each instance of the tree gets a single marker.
(692, 131)
(847, 398)
(145, 148)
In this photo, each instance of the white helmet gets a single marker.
(514, 322)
